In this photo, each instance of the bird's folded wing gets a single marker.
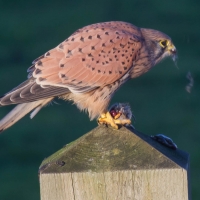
(92, 57)
(30, 91)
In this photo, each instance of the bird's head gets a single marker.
(159, 45)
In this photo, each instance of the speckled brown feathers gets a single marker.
(91, 65)
(92, 57)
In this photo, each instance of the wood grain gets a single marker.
(107, 164)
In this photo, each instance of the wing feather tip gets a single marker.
(1, 130)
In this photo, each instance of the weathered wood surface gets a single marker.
(107, 164)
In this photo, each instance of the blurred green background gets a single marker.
(158, 99)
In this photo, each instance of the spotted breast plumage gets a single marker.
(87, 68)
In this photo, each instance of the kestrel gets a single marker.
(87, 68)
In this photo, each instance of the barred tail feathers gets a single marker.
(20, 111)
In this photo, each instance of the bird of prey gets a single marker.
(87, 68)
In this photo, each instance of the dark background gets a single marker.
(158, 99)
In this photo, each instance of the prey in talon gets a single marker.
(118, 114)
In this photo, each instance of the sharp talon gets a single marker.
(106, 118)
(114, 121)
(123, 121)
(117, 116)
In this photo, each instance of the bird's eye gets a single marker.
(163, 43)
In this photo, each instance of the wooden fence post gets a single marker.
(107, 164)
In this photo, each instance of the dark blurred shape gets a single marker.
(191, 82)
(165, 141)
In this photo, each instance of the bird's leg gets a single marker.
(106, 118)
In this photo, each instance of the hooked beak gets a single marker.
(172, 50)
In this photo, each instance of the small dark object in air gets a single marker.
(165, 141)
(191, 82)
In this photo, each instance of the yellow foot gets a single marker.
(106, 118)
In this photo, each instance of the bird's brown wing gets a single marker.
(92, 57)
(29, 91)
